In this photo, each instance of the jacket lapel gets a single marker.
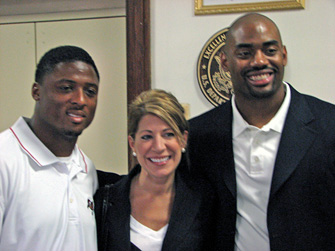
(225, 154)
(210, 147)
(297, 137)
(185, 209)
(119, 214)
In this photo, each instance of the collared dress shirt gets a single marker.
(255, 151)
(45, 203)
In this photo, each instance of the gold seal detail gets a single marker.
(214, 82)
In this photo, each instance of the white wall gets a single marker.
(24, 39)
(177, 37)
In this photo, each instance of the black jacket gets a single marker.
(301, 208)
(191, 226)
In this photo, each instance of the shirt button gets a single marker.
(256, 159)
(71, 200)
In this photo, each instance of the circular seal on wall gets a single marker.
(214, 82)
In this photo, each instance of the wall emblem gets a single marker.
(214, 82)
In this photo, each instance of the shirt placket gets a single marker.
(256, 156)
(74, 217)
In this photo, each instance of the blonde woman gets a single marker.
(157, 206)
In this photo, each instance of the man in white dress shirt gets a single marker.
(46, 182)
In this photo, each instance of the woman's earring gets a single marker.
(183, 150)
(134, 154)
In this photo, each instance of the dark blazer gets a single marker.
(190, 225)
(301, 209)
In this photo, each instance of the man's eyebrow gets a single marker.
(70, 81)
(65, 80)
(244, 45)
(92, 85)
(271, 42)
(250, 45)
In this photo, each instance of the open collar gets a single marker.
(37, 151)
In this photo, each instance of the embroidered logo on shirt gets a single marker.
(90, 205)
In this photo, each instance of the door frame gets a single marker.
(138, 52)
(138, 47)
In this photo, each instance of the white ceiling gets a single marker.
(24, 7)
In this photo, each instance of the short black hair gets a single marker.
(62, 54)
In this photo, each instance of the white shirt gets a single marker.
(45, 204)
(255, 152)
(145, 238)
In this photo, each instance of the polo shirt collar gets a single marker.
(239, 124)
(275, 124)
(37, 151)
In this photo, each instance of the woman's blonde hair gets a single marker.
(161, 104)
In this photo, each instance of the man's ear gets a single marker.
(284, 55)
(224, 60)
(35, 91)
